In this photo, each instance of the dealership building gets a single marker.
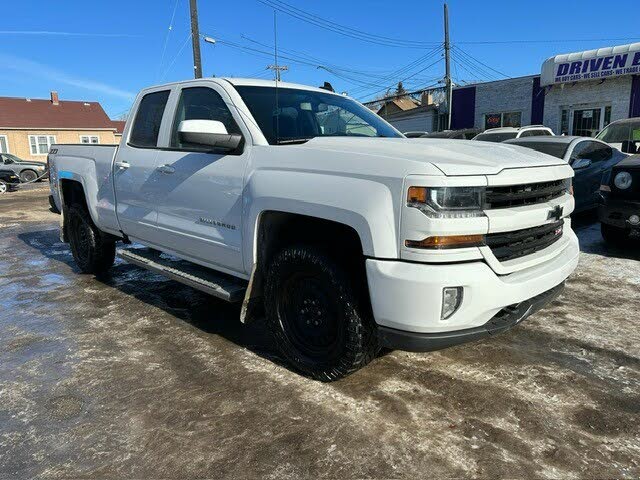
(575, 94)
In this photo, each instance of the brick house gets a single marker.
(28, 127)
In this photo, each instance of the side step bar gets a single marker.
(220, 285)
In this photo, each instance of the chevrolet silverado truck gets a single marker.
(310, 209)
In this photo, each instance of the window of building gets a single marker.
(89, 139)
(504, 119)
(146, 126)
(40, 144)
(4, 144)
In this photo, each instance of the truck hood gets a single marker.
(451, 157)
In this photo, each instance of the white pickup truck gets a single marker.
(305, 202)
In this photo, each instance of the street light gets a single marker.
(210, 40)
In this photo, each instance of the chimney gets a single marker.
(427, 98)
(54, 98)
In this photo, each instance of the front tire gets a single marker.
(3, 187)
(27, 176)
(614, 235)
(93, 251)
(319, 321)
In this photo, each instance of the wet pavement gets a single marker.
(133, 375)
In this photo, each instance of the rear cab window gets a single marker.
(146, 126)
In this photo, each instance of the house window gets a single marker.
(89, 139)
(40, 144)
(505, 119)
(4, 144)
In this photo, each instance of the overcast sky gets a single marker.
(106, 51)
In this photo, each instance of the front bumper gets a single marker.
(505, 319)
(408, 296)
(616, 212)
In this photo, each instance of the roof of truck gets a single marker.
(257, 82)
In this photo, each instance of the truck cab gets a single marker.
(305, 204)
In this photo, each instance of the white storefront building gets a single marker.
(575, 94)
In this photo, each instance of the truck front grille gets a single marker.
(526, 194)
(519, 243)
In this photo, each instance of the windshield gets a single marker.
(301, 115)
(619, 132)
(554, 149)
(495, 137)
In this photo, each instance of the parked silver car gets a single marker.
(26, 170)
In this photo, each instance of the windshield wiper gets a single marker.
(290, 141)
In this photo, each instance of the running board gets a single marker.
(220, 285)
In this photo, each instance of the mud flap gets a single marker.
(251, 304)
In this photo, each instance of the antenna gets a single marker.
(277, 70)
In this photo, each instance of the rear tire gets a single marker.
(614, 235)
(319, 322)
(27, 176)
(93, 251)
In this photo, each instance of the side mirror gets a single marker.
(208, 133)
(581, 163)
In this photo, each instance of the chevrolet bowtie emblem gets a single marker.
(556, 213)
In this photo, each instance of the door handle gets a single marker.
(122, 165)
(166, 169)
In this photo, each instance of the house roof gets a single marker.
(403, 103)
(119, 126)
(45, 114)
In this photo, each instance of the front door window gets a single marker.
(586, 123)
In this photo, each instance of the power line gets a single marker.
(481, 63)
(364, 85)
(405, 79)
(166, 37)
(473, 69)
(342, 29)
(184, 44)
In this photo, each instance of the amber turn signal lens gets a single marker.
(451, 241)
(417, 195)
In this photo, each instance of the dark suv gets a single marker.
(620, 210)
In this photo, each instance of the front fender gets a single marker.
(368, 206)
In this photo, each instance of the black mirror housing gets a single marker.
(224, 141)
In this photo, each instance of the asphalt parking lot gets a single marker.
(138, 376)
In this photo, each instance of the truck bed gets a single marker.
(92, 166)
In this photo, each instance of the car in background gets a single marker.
(9, 181)
(462, 134)
(623, 135)
(619, 212)
(591, 160)
(414, 134)
(27, 170)
(501, 134)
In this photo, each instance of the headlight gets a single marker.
(623, 180)
(447, 202)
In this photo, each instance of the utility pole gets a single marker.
(195, 39)
(278, 69)
(447, 62)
